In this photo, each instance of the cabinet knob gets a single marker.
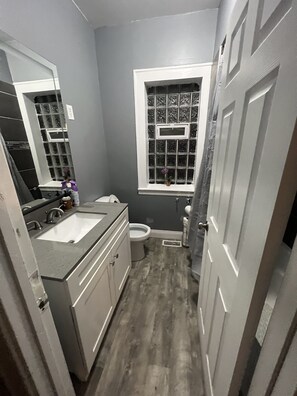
(114, 259)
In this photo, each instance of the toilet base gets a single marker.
(137, 251)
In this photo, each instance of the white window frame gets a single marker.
(50, 139)
(24, 89)
(168, 75)
(175, 137)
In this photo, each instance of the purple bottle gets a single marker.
(71, 187)
(74, 192)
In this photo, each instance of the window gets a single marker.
(171, 113)
(171, 149)
(52, 123)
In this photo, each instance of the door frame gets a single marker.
(279, 336)
(36, 349)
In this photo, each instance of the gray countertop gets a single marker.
(57, 259)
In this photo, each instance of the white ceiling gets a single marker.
(115, 12)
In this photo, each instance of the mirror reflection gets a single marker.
(33, 128)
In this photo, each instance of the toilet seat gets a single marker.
(139, 232)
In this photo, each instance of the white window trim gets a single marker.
(168, 74)
(50, 139)
(28, 109)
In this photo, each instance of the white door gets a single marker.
(250, 187)
(25, 314)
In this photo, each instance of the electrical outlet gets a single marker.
(149, 220)
(70, 113)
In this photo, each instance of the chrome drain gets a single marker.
(171, 243)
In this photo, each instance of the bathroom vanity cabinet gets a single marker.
(83, 303)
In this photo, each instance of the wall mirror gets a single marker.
(33, 127)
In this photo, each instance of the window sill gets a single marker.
(51, 185)
(173, 190)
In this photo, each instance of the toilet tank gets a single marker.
(108, 198)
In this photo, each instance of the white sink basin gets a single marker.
(72, 229)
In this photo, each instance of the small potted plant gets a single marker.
(167, 179)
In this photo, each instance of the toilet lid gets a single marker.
(105, 198)
(136, 231)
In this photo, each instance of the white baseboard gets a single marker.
(166, 234)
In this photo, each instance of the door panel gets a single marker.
(216, 330)
(256, 119)
(223, 143)
(121, 261)
(256, 112)
(237, 40)
(269, 6)
(270, 13)
(210, 301)
(207, 268)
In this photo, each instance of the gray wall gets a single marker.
(5, 74)
(165, 41)
(225, 11)
(57, 31)
(26, 69)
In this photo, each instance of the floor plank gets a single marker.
(152, 345)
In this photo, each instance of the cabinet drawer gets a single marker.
(92, 312)
(80, 277)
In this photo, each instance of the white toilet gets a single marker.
(139, 233)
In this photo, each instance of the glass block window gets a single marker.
(172, 104)
(53, 129)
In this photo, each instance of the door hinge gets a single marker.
(40, 295)
(42, 302)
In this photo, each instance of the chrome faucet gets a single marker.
(51, 213)
(24, 208)
(37, 225)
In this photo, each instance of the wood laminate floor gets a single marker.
(152, 345)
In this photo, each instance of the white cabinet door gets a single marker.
(92, 312)
(121, 261)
